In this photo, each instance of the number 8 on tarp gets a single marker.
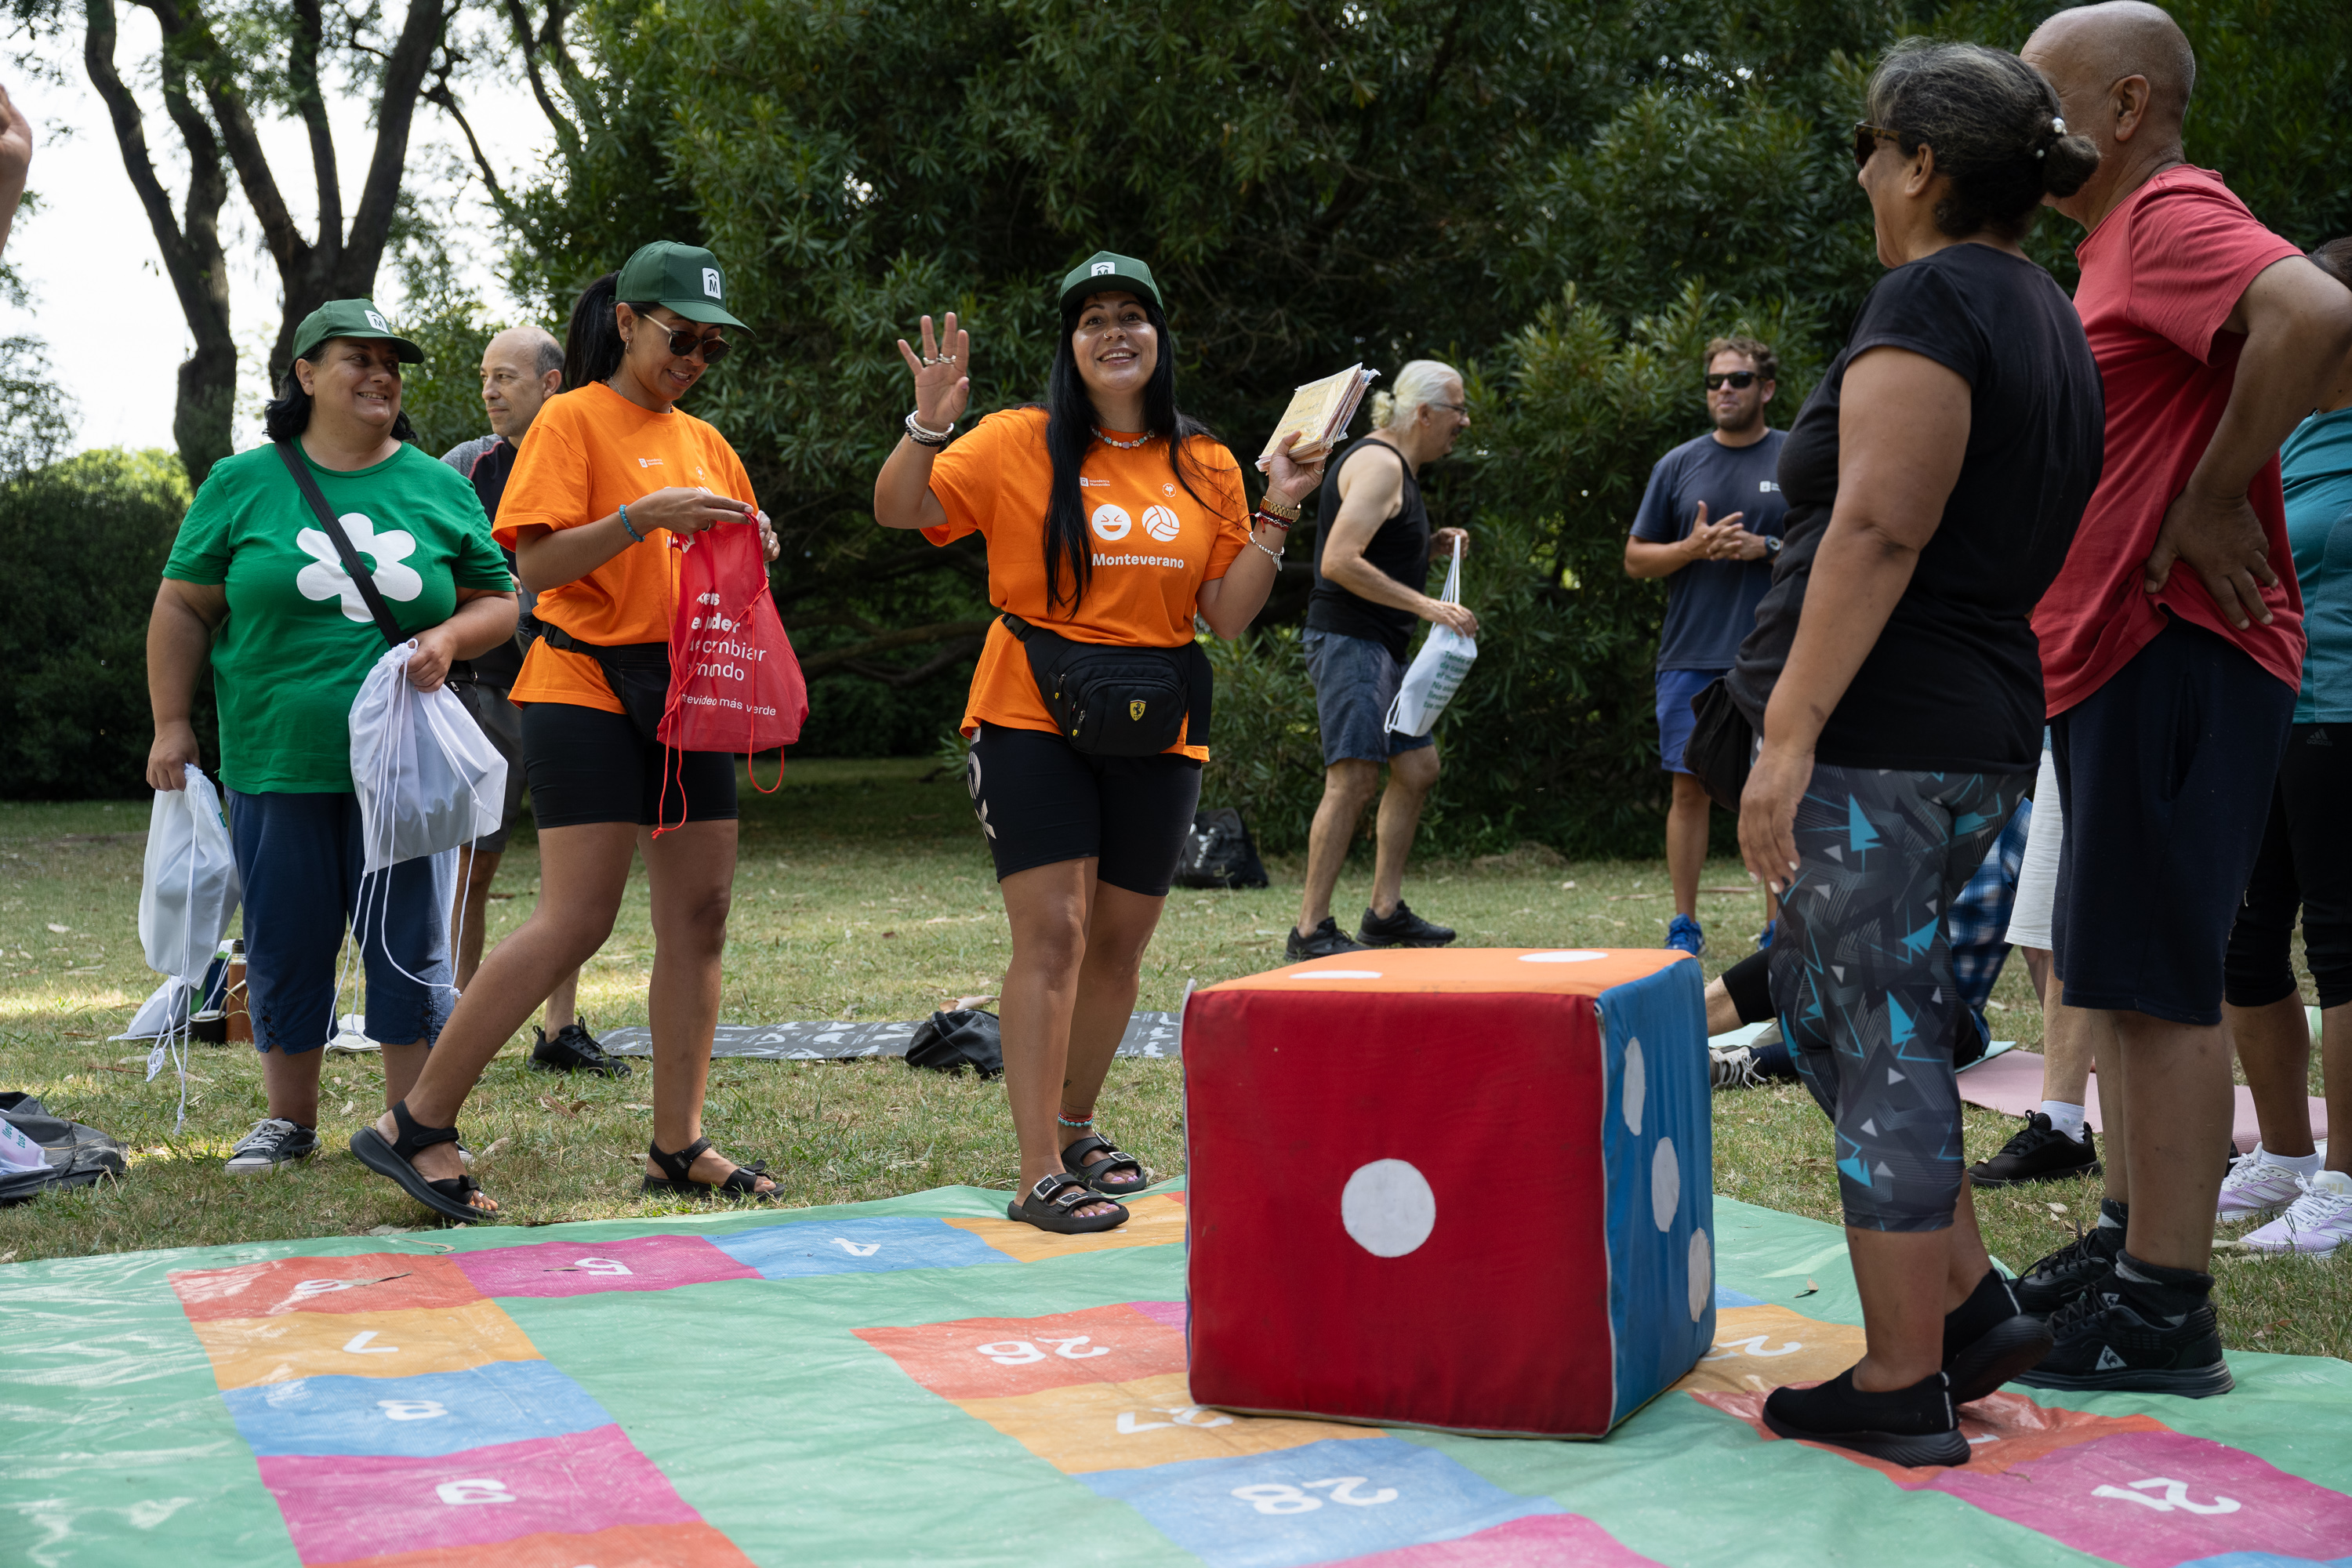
(1274, 1497)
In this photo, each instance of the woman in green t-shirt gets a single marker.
(256, 586)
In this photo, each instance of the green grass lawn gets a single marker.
(863, 893)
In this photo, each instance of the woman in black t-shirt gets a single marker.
(1934, 481)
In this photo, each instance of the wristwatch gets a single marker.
(1772, 542)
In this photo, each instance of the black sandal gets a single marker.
(1095, 1173)
(743, 1181)
(1053, 1205)
(449, 1197)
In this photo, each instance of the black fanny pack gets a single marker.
(1115, 699)
(638, 673)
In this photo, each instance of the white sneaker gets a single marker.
(2256, 1189)
(274, 1141)
(2316, 1224)
(1732, 1066)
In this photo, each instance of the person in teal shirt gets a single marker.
(2306, 864)
(254, 586)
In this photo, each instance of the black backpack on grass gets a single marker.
(949, 1042)
(78, 1155)
(1220, 853)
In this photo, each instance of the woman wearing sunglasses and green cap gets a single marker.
(1112, 519)
(607, 475)
(257, 587)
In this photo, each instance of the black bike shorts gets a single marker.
(1040, 800)
(587, 765)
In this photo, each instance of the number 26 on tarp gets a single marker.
(1020, 1352)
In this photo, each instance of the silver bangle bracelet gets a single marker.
(922, 437)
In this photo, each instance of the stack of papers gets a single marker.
(1319, 411)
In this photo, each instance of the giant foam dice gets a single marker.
(1464, 1189)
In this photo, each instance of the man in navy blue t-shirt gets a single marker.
(1710, 525)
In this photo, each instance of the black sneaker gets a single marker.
(2055, 1281)
(1327, 941)
(2039, 1154)
(1990, 1339)
(573, 1049)
(274, 1141)
(1913, 1426)
(2135, 1332)
(1403, 928)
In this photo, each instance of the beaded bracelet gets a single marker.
(626, 527)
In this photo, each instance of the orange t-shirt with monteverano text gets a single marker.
(1153, 544)
(588, 452)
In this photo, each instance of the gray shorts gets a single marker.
(1356, 679)
(501, 723)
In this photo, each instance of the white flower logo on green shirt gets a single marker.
(387, 553)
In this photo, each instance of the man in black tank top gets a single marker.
(1373, 551)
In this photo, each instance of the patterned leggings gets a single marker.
(1861, 969)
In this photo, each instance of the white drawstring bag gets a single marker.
(1437, 672)
(427, 778)
(186, 895)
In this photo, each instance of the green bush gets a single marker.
(85, 540)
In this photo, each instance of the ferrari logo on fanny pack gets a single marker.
(1135, 709)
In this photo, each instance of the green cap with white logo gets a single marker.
(1108, 270)
(351, 318)
(685, 277)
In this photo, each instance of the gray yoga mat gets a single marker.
(1148, 1035)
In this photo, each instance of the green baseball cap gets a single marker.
(1107, 269)
(351, 318)
(685, 277)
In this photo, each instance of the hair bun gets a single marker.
(1383, 410)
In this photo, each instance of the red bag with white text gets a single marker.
(734, 683)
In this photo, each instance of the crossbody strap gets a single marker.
(392, 636)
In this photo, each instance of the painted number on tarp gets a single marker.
(411, 1409)
(358, 1344)
(2176, 1496)
(1179, 1416)
(310, 1288)
(1020, 1352)
(460, 1494)
(857, 1250)
(1752, 1345)
(1272, 1497)
(612, 1266)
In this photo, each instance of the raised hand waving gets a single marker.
(943, 373)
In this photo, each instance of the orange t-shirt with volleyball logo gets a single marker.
(587, 453)
(1153, 547)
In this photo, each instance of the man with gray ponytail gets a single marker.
(2171, 647)
(1373, 551)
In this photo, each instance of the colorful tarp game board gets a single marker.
(1458, 1188)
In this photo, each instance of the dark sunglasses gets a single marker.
(1740, 380)
(683, 344)
(1866, 141)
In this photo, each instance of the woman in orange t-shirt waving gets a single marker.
(1112, 519)
(603, 469)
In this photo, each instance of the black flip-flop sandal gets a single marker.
(1113, 1160)
(448, 1197)
(1053, 1205)
(742, 1182)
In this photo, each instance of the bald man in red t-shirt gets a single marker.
(2171, 650)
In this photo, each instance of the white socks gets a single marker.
(2065, 1118)
(2301, 1164)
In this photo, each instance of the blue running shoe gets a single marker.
(1682, 933)
(1764, 937)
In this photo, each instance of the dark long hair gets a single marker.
(1070, 421)
(285, 416)
(593, 348)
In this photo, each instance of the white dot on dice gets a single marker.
(1572, 955)
(1637, 1087)
(1702, 1275)
(1665, 1185)
(1388, 1208)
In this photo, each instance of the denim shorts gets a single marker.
(1356, 679)
(299, 857)
(1676, 720)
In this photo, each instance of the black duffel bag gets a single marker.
(1117, 699)
(1219, 852)
(951, 1042)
